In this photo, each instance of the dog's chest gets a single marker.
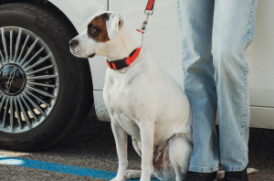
(122, 98)
(119, 93)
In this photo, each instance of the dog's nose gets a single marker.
(73, 43)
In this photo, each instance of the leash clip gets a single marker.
(143, 28)
(148, 12)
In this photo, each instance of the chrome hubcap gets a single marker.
(28, 80)
(12, 79)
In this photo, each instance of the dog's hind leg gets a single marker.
(179, 152)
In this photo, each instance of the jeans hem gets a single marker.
(233, 169)
(203, 169)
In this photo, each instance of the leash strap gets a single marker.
(150, 5)
(125, 62)
(148, 12)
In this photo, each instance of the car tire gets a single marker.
(73, 89)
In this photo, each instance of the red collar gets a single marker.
(125, 62)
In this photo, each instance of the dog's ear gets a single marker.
(113, 23)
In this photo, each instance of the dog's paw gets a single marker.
(133, 174)
(117, 178)
(251, 171)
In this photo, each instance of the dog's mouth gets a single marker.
(91, 55)
(76, 54)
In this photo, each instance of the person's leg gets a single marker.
(196, 18)
(233, 30)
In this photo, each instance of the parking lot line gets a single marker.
(56, 167)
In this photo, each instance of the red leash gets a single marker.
(150, 5)
(148, 12)
(125, 62)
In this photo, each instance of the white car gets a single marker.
(45, 92)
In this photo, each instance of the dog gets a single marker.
(143, 101)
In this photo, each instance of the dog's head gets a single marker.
(100, 30)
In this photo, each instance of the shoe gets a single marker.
(236, 176)
(195, 176)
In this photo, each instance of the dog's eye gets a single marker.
(93, 30)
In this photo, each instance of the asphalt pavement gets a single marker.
(90, 155)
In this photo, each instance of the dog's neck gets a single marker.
(125, 42)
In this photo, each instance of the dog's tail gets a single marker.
(221, 173)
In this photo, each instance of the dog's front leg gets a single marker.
(147, 139)
(121, 140)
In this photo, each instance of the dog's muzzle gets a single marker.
(73, 43)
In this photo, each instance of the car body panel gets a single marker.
(78, 12)
(262, 117)
(260, 55)
(162, 40)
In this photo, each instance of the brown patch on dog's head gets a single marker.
(97, 28)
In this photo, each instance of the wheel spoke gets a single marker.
(29, 50)
(17, 113)
(35, 55)
(42, 77)
(35, 105)
(42, 92)
(43, 85)
(4, 44)
(29, 109)
(2, 103)
(24, 112)
(23, 48)
(41, 69)
(5, 113)
(18, 39)
(38, 62)
(11, 115)
(2, 58)
(37, 98)
(11, 36)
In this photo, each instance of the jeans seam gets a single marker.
(233, 168)
(248, 38)
(203, 169)
(251, 23)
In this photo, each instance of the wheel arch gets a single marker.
(50, 6)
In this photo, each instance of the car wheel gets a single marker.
(45, 93)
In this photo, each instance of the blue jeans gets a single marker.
(215, 34)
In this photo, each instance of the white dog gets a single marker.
(142, 100)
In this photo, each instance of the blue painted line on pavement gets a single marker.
(56, 167)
